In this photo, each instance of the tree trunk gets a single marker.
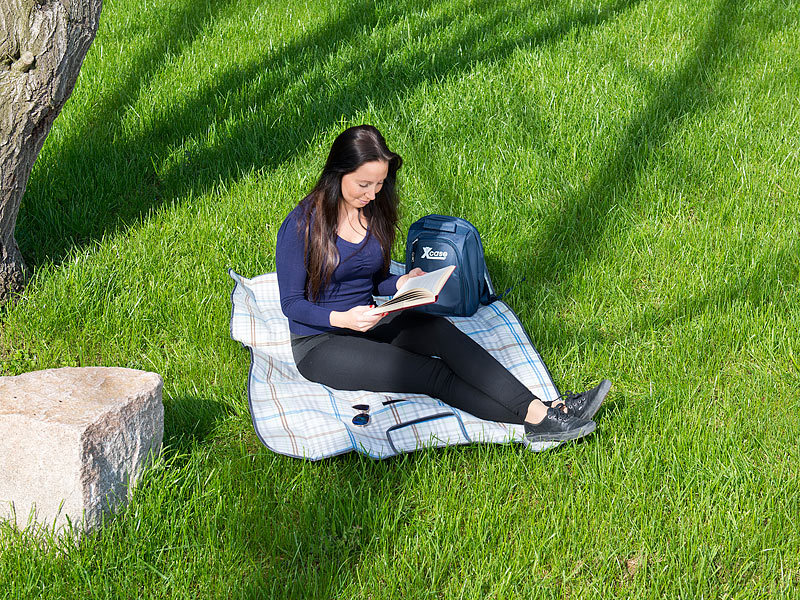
(42, 47)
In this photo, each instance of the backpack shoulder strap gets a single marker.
(489, 294)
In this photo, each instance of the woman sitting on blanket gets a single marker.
(333, 254)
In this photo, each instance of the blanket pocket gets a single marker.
(436, 430)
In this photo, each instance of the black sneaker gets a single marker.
(558, 426)
(585, 404)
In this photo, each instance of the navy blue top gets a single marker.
(358, 276)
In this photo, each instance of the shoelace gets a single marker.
(560, 415)
(566, 397)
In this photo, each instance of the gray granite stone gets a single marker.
(73, 442)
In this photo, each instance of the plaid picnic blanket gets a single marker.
(296, 417)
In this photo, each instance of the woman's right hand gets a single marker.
(355, 318)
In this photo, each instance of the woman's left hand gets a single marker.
(415, 272)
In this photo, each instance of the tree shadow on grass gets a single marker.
(123, 177)
(312, 560)
(320, 543)
(575, 231)
(70, 199)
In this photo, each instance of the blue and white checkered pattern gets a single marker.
(299, 418)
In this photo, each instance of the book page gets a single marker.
(410, 298)
(429, 281)
(423, 289)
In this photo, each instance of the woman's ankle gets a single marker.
(536, 413)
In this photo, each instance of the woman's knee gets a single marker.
(304, 367)
(320, 362)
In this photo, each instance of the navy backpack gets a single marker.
(436, 241)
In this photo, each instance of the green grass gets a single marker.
(637, 162)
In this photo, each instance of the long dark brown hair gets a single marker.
(319, 225)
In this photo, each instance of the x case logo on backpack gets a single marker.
(431, 254)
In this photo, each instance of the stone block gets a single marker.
(73, 442)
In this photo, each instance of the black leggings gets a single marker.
(400, 355)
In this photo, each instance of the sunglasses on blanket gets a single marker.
(362, 418)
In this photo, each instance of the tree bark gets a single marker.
(42, 47)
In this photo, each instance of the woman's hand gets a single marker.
(415, 272)
(355, 319)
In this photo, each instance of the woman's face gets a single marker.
(361, 186)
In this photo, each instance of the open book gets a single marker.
(416, 291)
